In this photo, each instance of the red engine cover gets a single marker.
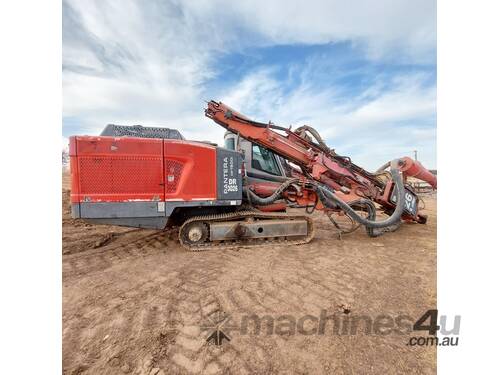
(109, 169)
(190, 171)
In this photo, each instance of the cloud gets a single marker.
(372, 127)
(385, 28)
(153, 63)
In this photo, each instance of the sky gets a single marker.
(362, 72)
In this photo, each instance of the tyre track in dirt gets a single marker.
(115, 325)
(200, 302)
(255, 289)
(178, 345)
(123, 248)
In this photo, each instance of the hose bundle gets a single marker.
(255, 199)
(330, 200)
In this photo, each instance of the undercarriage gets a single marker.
(245, 228)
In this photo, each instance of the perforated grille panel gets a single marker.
(140, 131)
(120, 175)
(173, 172)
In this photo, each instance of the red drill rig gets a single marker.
(153, 178)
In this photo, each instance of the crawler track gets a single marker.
(241, 215)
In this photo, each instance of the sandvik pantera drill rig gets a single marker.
(238, 195)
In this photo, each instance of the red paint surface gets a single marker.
(109, 169)
(199, 170)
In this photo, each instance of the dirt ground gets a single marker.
(135, 302)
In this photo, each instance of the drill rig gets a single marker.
(141, 177)
(324, 180)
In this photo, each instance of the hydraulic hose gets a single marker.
(330, 200)
(229, 115)
(383, 167)
(315, 135)
(255, 199)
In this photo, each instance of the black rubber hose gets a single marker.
(371, 211)
(330, 200)
(316, 136)
(255, 199)
(230, 115)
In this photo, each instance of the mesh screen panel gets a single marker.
(132, 175)
(173, 172)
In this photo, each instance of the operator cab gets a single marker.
(260, 163)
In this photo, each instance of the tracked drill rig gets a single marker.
(152, 180)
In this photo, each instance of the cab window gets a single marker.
(229, 143)
(263, 160)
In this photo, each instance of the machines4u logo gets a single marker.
(218, 326)
(442, 334)
(441, 330)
